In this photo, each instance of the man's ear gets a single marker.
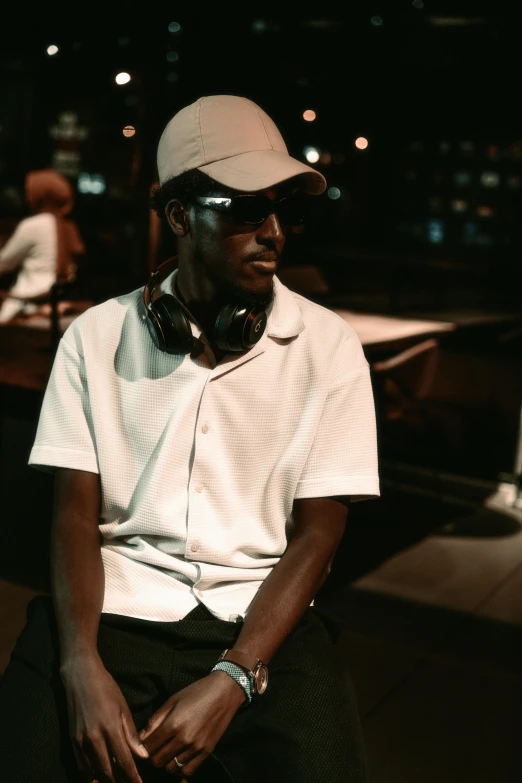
(177, 217)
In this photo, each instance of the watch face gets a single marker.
(261, 679)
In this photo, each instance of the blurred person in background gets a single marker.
(43, 248)
(207, 432)
(12, 210)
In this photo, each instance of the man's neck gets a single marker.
(200, 315)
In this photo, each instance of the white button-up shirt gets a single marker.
(199, 462)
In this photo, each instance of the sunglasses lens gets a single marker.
(250, 209)
(256, 209)
(292, 211)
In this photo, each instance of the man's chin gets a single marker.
(233, 294)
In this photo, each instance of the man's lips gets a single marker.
(264, 260)
(266, 267)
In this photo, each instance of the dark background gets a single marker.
(407, 78)
(428, 222)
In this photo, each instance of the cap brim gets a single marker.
(262, 169)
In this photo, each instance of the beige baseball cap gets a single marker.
(233, 141)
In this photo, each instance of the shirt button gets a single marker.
(193, 547)
(204, 429)
(199, 488)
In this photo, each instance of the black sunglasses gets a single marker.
(253, 209)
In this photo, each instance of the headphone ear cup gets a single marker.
(238, 328)
(169, 326)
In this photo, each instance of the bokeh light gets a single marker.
(489, 179)
(435, 231)
(52, 49)
(462, 178)
(172, 57)
(459, 205)
(259, 25)
(325, 158)
(376, 21)
(174, 27)
(309, 115)
(361, 143)
(91, 183)
(333, 193)
(129, 130)
(311, 154)
(123, 78)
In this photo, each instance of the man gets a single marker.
(207, 433)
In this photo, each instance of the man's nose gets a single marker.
(271, 229)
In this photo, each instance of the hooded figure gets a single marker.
(43, 246)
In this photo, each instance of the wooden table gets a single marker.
(389, 333)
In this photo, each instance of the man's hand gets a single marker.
(102, 729)
(191, 722)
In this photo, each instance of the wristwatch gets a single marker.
(255, 669)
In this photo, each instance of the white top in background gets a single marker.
(32, 247)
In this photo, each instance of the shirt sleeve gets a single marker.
(343, 457)
(65, 433)
(15, 249)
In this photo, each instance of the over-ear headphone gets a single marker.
(237, 327)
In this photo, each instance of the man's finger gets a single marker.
(123, 764)
(99, 761)
(132, 737)
(84, 766)
(173, 768)
(191, 766)
(158, 738)
(164, 755)
(155, 721)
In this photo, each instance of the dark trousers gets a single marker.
(304, 729)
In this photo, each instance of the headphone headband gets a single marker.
(157, 277)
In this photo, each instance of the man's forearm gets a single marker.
(77, 575)
(77, 582)
(285, 595)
